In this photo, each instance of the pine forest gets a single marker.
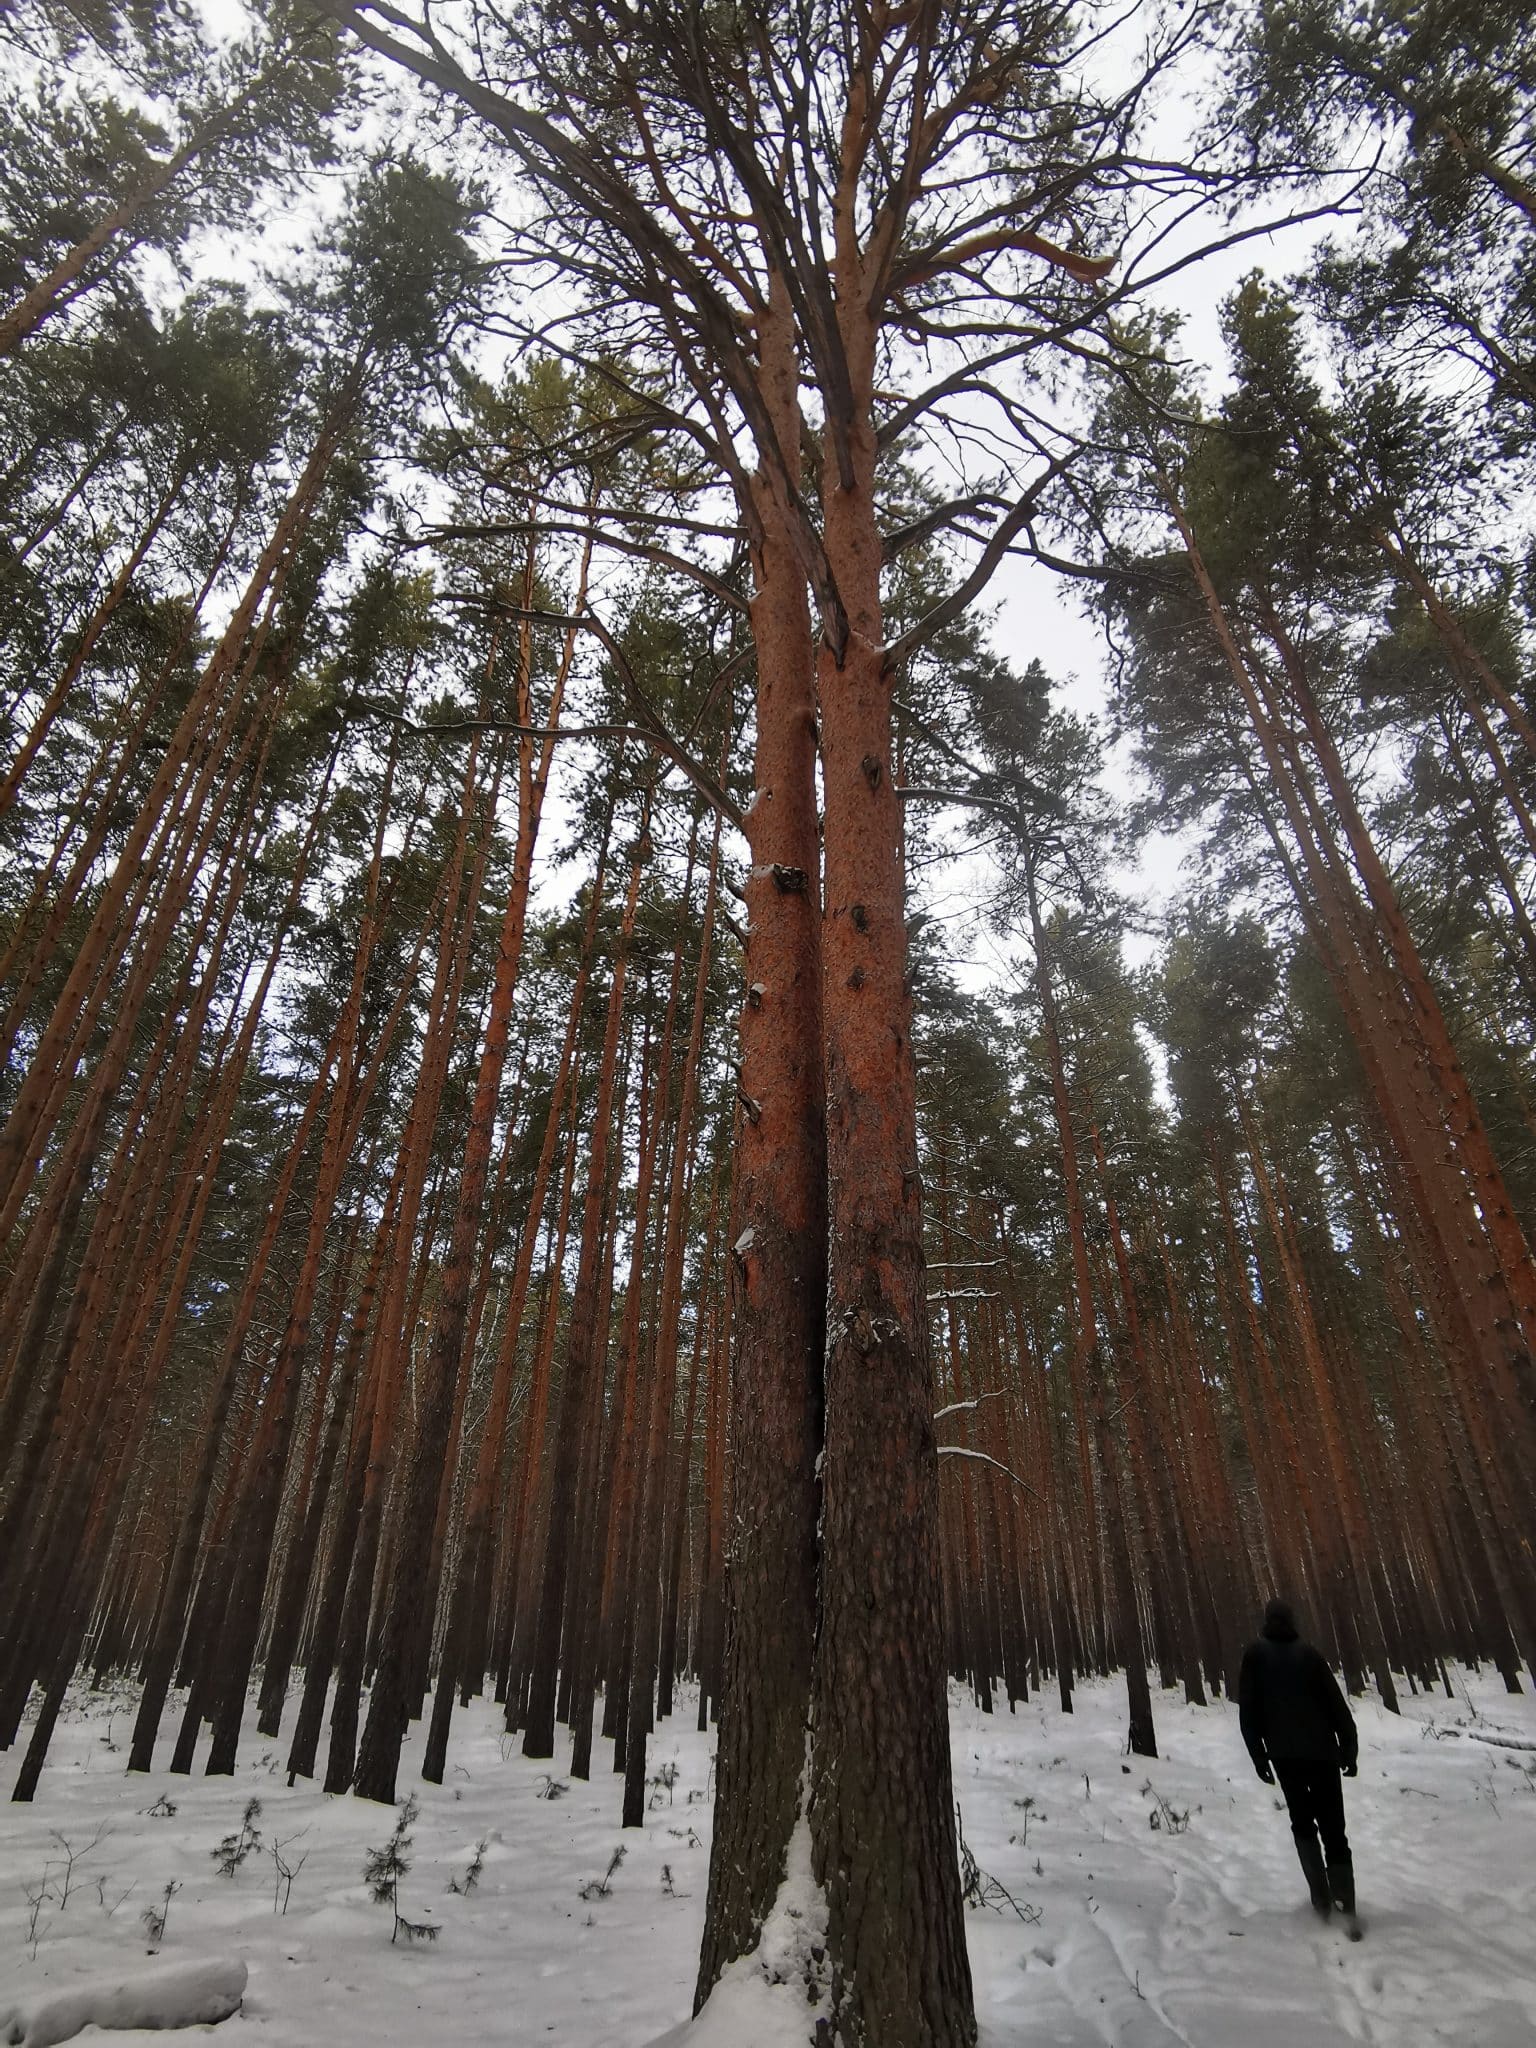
(767, 872)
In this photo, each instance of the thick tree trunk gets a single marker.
(66, 280)
(777, 1260)
(881, 1800)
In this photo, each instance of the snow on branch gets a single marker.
(965, 1407)
(960, 1451)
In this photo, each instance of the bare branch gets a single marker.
(951, 607)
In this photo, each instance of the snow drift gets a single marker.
(175, 1995)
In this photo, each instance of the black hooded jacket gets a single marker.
(1290, 1707)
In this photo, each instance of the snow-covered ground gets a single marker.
(1162, 1902)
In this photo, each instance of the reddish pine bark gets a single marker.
(653, 1489)
(176, 797)
(777, 1261)
(582, 1361)
(881, 1806)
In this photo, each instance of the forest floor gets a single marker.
(1161, 1902)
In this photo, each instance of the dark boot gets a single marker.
(1317, 1877)
(1341, 1886)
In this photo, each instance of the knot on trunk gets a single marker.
(788, 881)
(866, 1332)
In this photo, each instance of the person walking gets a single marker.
(1298, 1729)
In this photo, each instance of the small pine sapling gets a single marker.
(234, 1849)
(1026, 1806)
(155, 1917)
(465, 1885)
(600, 1887)
(383, 1869)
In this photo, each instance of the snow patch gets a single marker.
(765, 2000)
(1202, 1936)
(175, 1995)
(745, 2011)
(794, 1936)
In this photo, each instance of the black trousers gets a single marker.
(1314, 1795)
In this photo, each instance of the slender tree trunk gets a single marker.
(68, 277)
(222, 684)
(676, 1520)
(581, 1359)
(1494, 1350)
(90, 633)
(1088, 1367)
(584, 1609)
(121, 750)
(379, 1753)
(664, 1388)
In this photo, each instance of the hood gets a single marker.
(1279, 1623)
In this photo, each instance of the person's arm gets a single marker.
(1250, 1717)
(1338, 1713)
